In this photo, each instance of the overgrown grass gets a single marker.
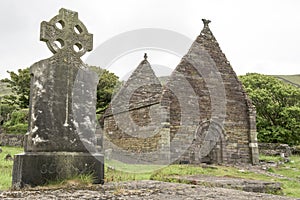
(6, 166)
(167, 173)
(77, 180)
(290, 187)
(291, 170)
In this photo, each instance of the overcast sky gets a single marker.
(256, 36)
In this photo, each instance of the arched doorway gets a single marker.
(209, 143)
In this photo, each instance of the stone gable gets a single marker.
(132, 121)
(141, 89)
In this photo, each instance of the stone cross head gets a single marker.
(65, 32)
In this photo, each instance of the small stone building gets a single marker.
(202, 114)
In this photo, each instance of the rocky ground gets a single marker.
(138, 190)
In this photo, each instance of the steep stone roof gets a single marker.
(234, 90)
(207, 71)
(141, 89)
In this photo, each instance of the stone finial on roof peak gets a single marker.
(206, 22)
(145, 56)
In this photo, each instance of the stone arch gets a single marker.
(209, 143)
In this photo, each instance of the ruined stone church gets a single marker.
(201, 115)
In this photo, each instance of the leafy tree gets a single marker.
(278, 108)
(20, 87)
(108, 84)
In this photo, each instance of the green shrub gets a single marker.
(17, 123)
(5, 112)
(17, 117)
(16, 129)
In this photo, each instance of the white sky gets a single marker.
(256, 36)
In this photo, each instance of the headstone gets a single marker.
(60, 142)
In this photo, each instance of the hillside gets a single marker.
(292, 79)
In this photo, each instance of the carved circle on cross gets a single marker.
(65, 32)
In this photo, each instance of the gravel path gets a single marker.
(139, 190)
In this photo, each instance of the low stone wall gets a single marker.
(11, 140)
(296, 150)
(274, 149)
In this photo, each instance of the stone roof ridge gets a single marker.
(208, 41)
(206, 38)
(143, 70)
(203, 40)
(204, 56)
(207, 35)
(135, 92)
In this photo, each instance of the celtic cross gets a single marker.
(65, 32)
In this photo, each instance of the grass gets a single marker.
(291, 170)
(6, 166)
(118, 176)
(222, 171)
(116, 171)
(78, 180)
(132, 168)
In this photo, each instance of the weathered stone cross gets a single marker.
(61, 141)
(65, 32)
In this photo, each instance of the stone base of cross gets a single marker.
(39, 168)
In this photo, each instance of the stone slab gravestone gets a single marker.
(61, 141)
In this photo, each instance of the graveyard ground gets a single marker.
(288, 174)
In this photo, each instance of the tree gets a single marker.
(278, 108)
(107, 85)
(20, 88)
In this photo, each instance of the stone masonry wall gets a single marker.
(239, 126)
(133, 129)
(11, 140)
